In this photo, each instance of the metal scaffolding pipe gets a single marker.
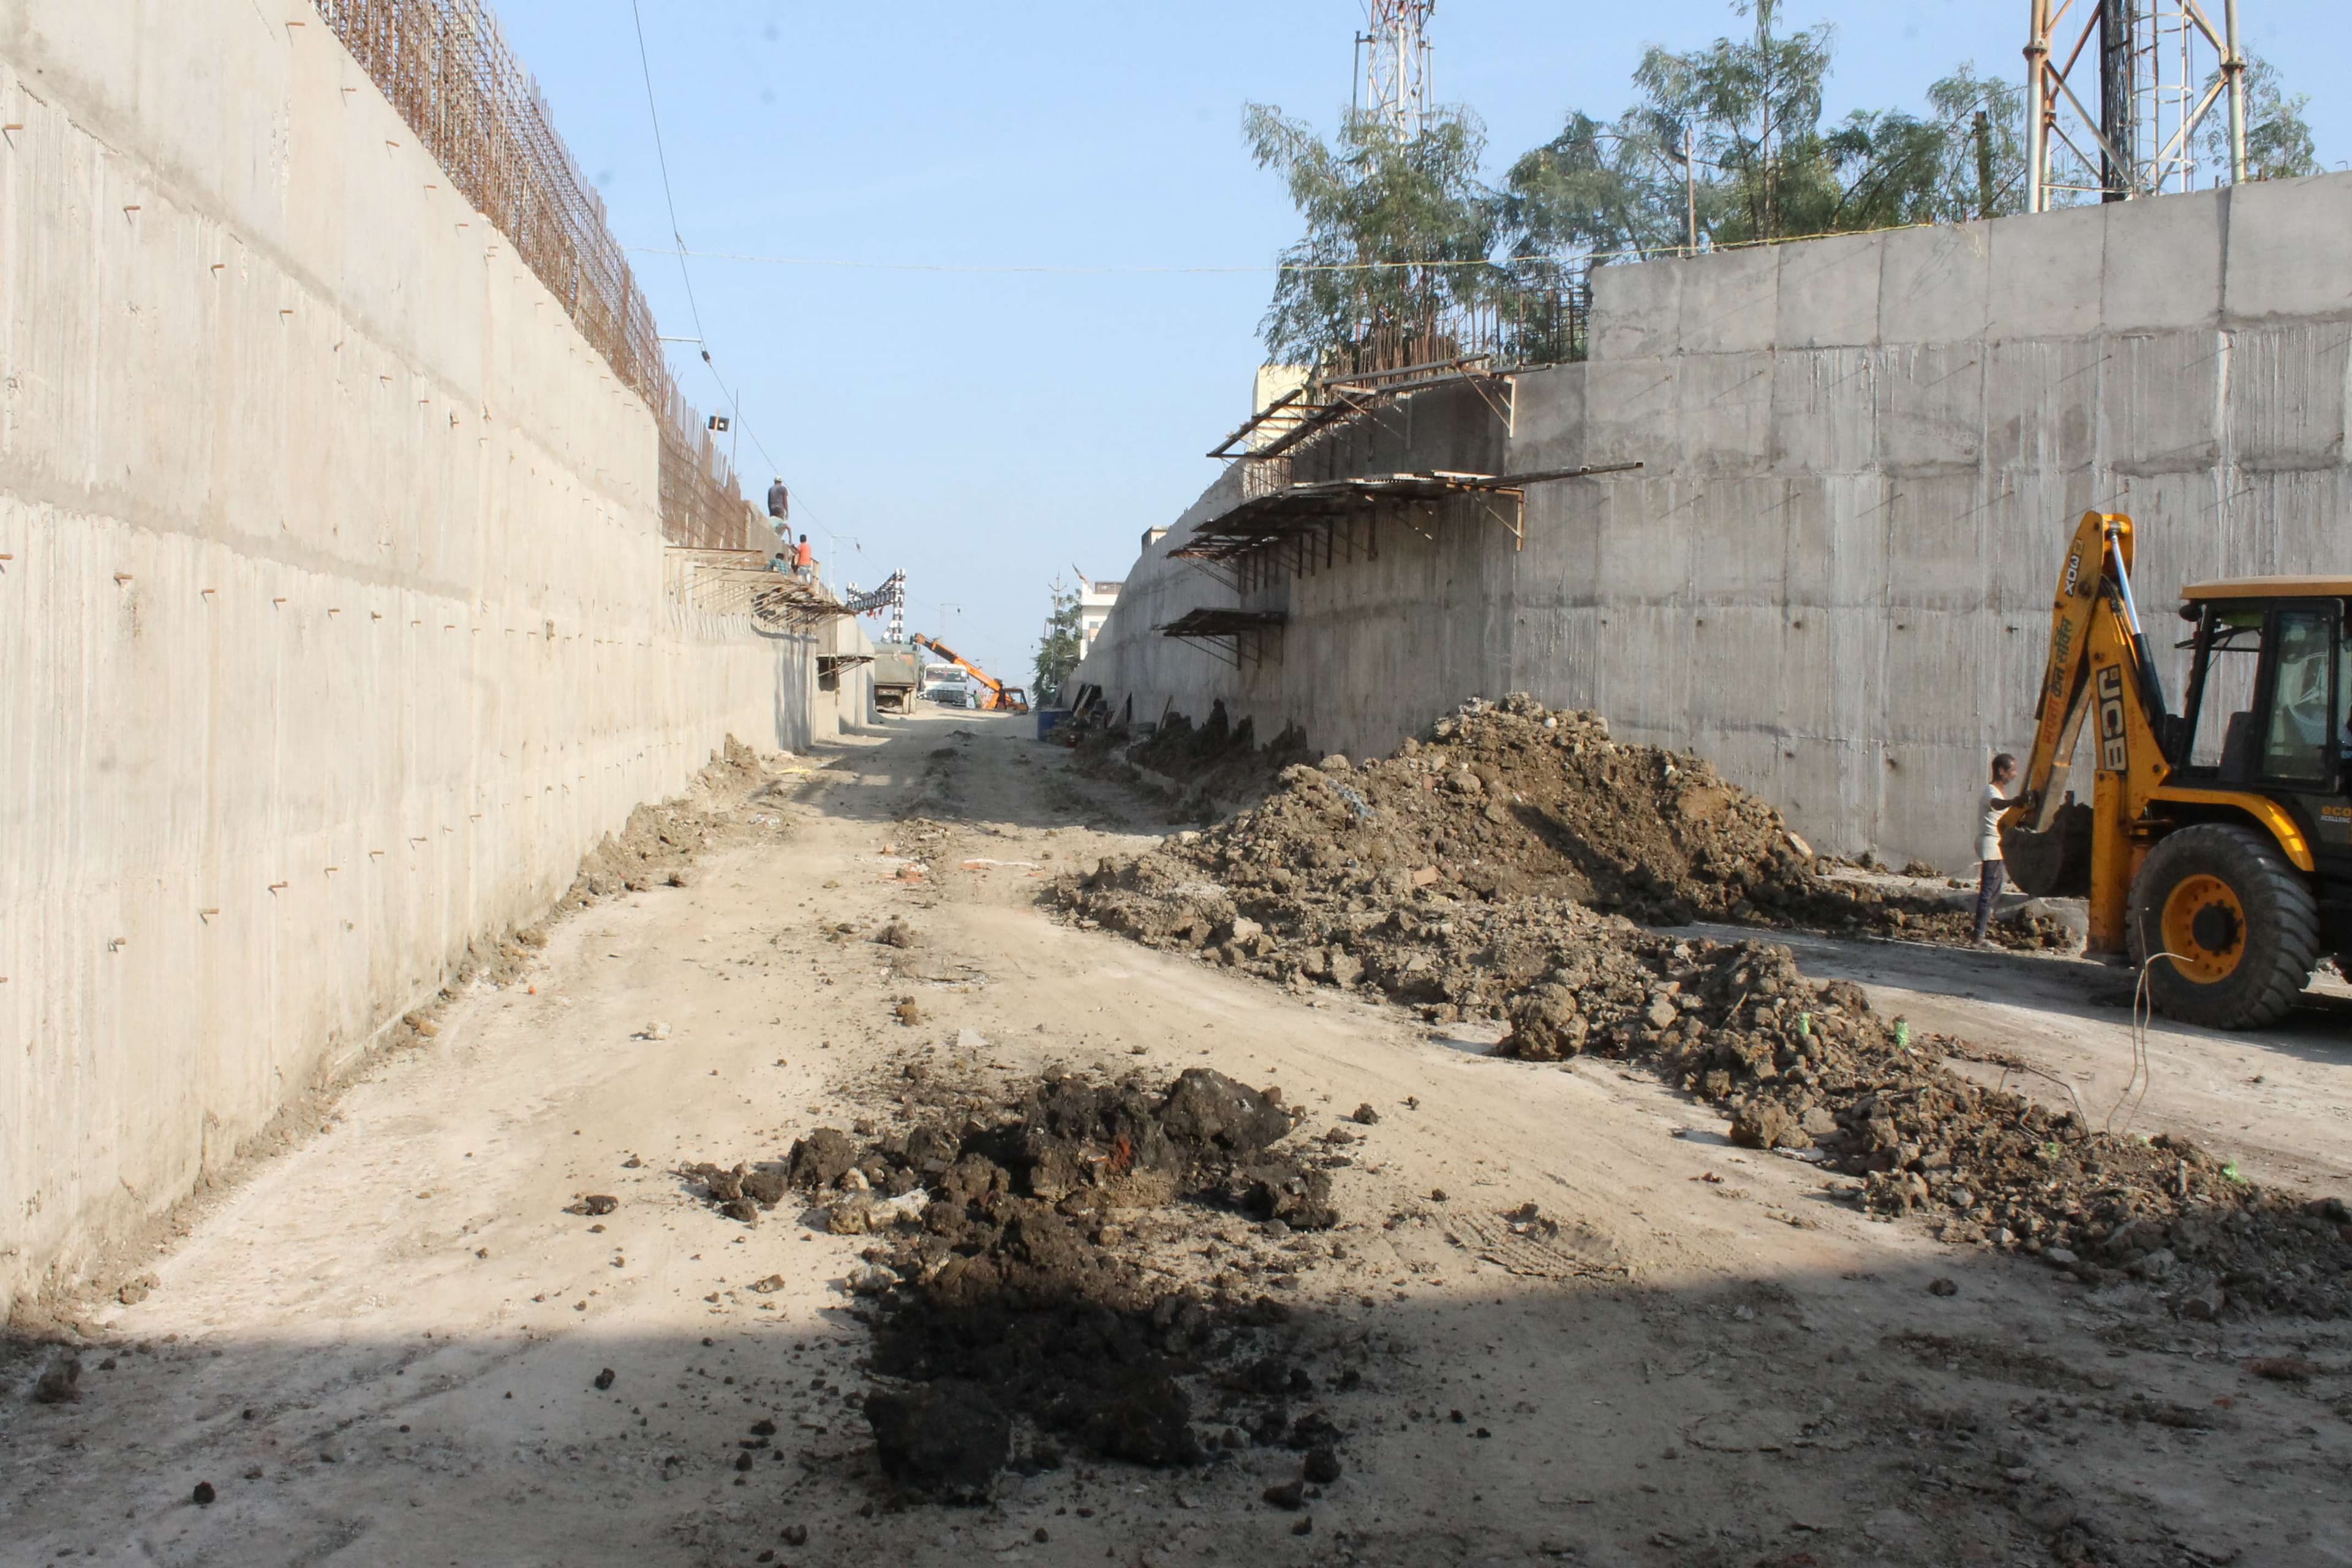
(2118, 109)
(2234, 65)
(2037, 109)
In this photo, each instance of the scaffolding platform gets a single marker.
(1248, 633)
(1300, 510)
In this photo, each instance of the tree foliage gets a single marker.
(2279, 145)
(1760, 163)
(1386, 212)
(1059, 650)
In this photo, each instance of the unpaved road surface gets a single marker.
(389, 1345)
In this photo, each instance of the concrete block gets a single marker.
(1739, 543)
(1645, 541)
(2028, 517)
(1935, 284)
(1556, 657)
(2285, 250)
(1817, 793)
(1930, 790)
(2287, 521)
(1852, 649)
(1730, 301)
(1940, 673)
(2287, 406)
(1725, 413)
(1636, 309)
(1808, 516)
(1547, 420)
(1644, 656)
(1829, 292)
(1824, 410)
(1631, 415)
(2160, 395)
(1936, 544)
(2163, 262)
(2041, 401)
(2046, 274)
(2181, 534)
(1561, 562)
(1862, 535)
(1931, 407)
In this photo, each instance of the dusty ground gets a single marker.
(384, 1347)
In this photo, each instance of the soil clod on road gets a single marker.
(1033, 1292)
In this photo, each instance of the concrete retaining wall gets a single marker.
(1862, 457)
(332, 625)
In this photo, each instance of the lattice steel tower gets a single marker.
(2161, 69)
(1394, 47)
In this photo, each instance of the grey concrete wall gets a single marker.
(1862, 457)
(333, 617)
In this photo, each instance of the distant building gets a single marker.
(1095, 600)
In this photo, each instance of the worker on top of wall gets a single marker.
(1992, 872)
(779, 500)
(804, 562)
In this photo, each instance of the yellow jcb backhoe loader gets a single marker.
(2219, 840)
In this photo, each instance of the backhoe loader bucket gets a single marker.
(2055, 864)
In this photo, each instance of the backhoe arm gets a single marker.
(2098, 661)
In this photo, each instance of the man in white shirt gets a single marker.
(1992, 873)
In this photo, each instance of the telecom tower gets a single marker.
(2161, 70)
(1394, 47)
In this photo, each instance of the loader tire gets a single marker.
(2240, 923)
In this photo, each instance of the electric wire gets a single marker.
(678, 248)
(1636, 253)
(661, 159)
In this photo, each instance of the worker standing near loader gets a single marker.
(1992, 872)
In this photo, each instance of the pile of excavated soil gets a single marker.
(659, 843)
(1462, 893)
(1511, 801)
(1014, 1312)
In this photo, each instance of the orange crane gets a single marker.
(999, 697)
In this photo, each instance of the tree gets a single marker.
(1059, 650)
(1965, 162)
(1596, 192)
(2279, 145)
(1752, 108)
(1399, 228)
(1726, 146)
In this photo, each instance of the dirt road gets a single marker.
(391, 1345)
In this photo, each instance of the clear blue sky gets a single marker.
(985, 432)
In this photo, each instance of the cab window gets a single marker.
(2299, 745)
(2224, 737)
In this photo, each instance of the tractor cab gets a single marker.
(2268, 715)
(2269, 704)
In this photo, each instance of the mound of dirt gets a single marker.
(1012, 1312)
(1470, 892)
(659, 843)
(1511, 801)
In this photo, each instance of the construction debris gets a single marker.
(1513, 801)
(1460, 878)
(1012, 1312)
